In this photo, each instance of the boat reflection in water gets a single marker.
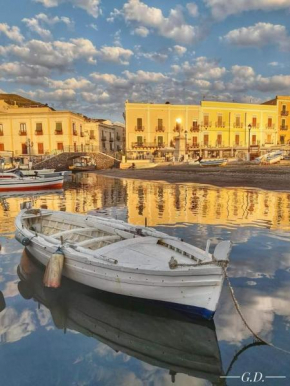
(158, 336)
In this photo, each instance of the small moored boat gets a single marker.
(12, 182)
(213, 162)
(135, 261)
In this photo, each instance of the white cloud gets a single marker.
(145, 76)
(179, 50)
(110, 79)
(172, 27)
(273, 64)
(220, 9)
(192, 9)
(93, 26)
(57, 95)
(57, 54)
(115, 54)
(70, 84)
(90, 6)
(258, 35)
(201, 68)
(13, 33)
(22, 69)
(34, 26)
(141, 31)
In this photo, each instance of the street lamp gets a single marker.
(29, 145)
(178, 124)
(249, 149)
(185, 134)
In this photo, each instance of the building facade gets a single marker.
(208, 128)
(30, 129)
(282, 104)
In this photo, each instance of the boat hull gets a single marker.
(195, 294)
(18, 185)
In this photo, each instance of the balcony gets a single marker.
(139, 128)
(238, 125)
(270, 127)
(221, 125)
(104, 138)
(111, 139)
(38, 132)
(284, 113)
(219, 144)
(92, 136)
(178, 129)
(255, 126)
(206, 124)
(118, 138)
(193, 146)
(194, 129)
(58, 132)
(22, 133)
(283, 127)
(82, 134)
(147, 145)
(160, 129)
(75, 132)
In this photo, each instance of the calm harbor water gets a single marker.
(79, 337)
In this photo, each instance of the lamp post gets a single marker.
(29, 145)
(178, 124)
(249, 143)
(185, 134)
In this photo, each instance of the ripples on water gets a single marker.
(111, 344)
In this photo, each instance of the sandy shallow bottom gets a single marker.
(275, 177)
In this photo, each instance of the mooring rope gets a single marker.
(237, 306)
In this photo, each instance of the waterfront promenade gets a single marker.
(274, 177)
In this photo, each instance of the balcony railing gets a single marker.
(206, 124)
(92, 136)
(82, 134)
(284, 113)
(139, 128)
(111, 139)
(160, 129)
(75, 132)
(220, 124)
(194, 146)
(238, 125)
(283, 127)
(38, 132)
(219, 144)
(147, 145)
(118, 138)
(178, 129)
(270, 127)
(255, 126)
(58, 132)
(22, 133)
(104, 138)
(194, 129)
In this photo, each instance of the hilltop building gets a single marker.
(31, 129)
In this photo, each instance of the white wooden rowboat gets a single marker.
(155, 335)
(12, 182)
(117, 257)
(212, 162)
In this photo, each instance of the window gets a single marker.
(254, 122)
(24, 148)
(60, 146)
(40, 148)
(254, 140)
(1, 128)
(75, 147)
(23, 129)
(219, 139)
(160, 140)
(270, 122)
(283, 108)
(283, 123)
(220, 120)
(160, 124)
(92, 135)
(194, 125)
(194, 141)
(205, 139)
(140, 140)
(206, 120)
(1, 146)
(269, 138)
(74, 127)
(237, 139)
(38, 127)
(58, 127)
(282, 140)
(139, 124)
(238, 121)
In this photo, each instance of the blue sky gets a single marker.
(90, 56)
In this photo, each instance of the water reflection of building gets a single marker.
(170, 204)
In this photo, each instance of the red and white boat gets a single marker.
(12, 182)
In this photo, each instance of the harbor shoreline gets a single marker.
(270, 177)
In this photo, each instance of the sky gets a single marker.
(90, 56)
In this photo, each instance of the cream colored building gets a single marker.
(31, 129)
(211, 127)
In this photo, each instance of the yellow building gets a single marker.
(28, 128)
(282, 104)
(209, 128)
